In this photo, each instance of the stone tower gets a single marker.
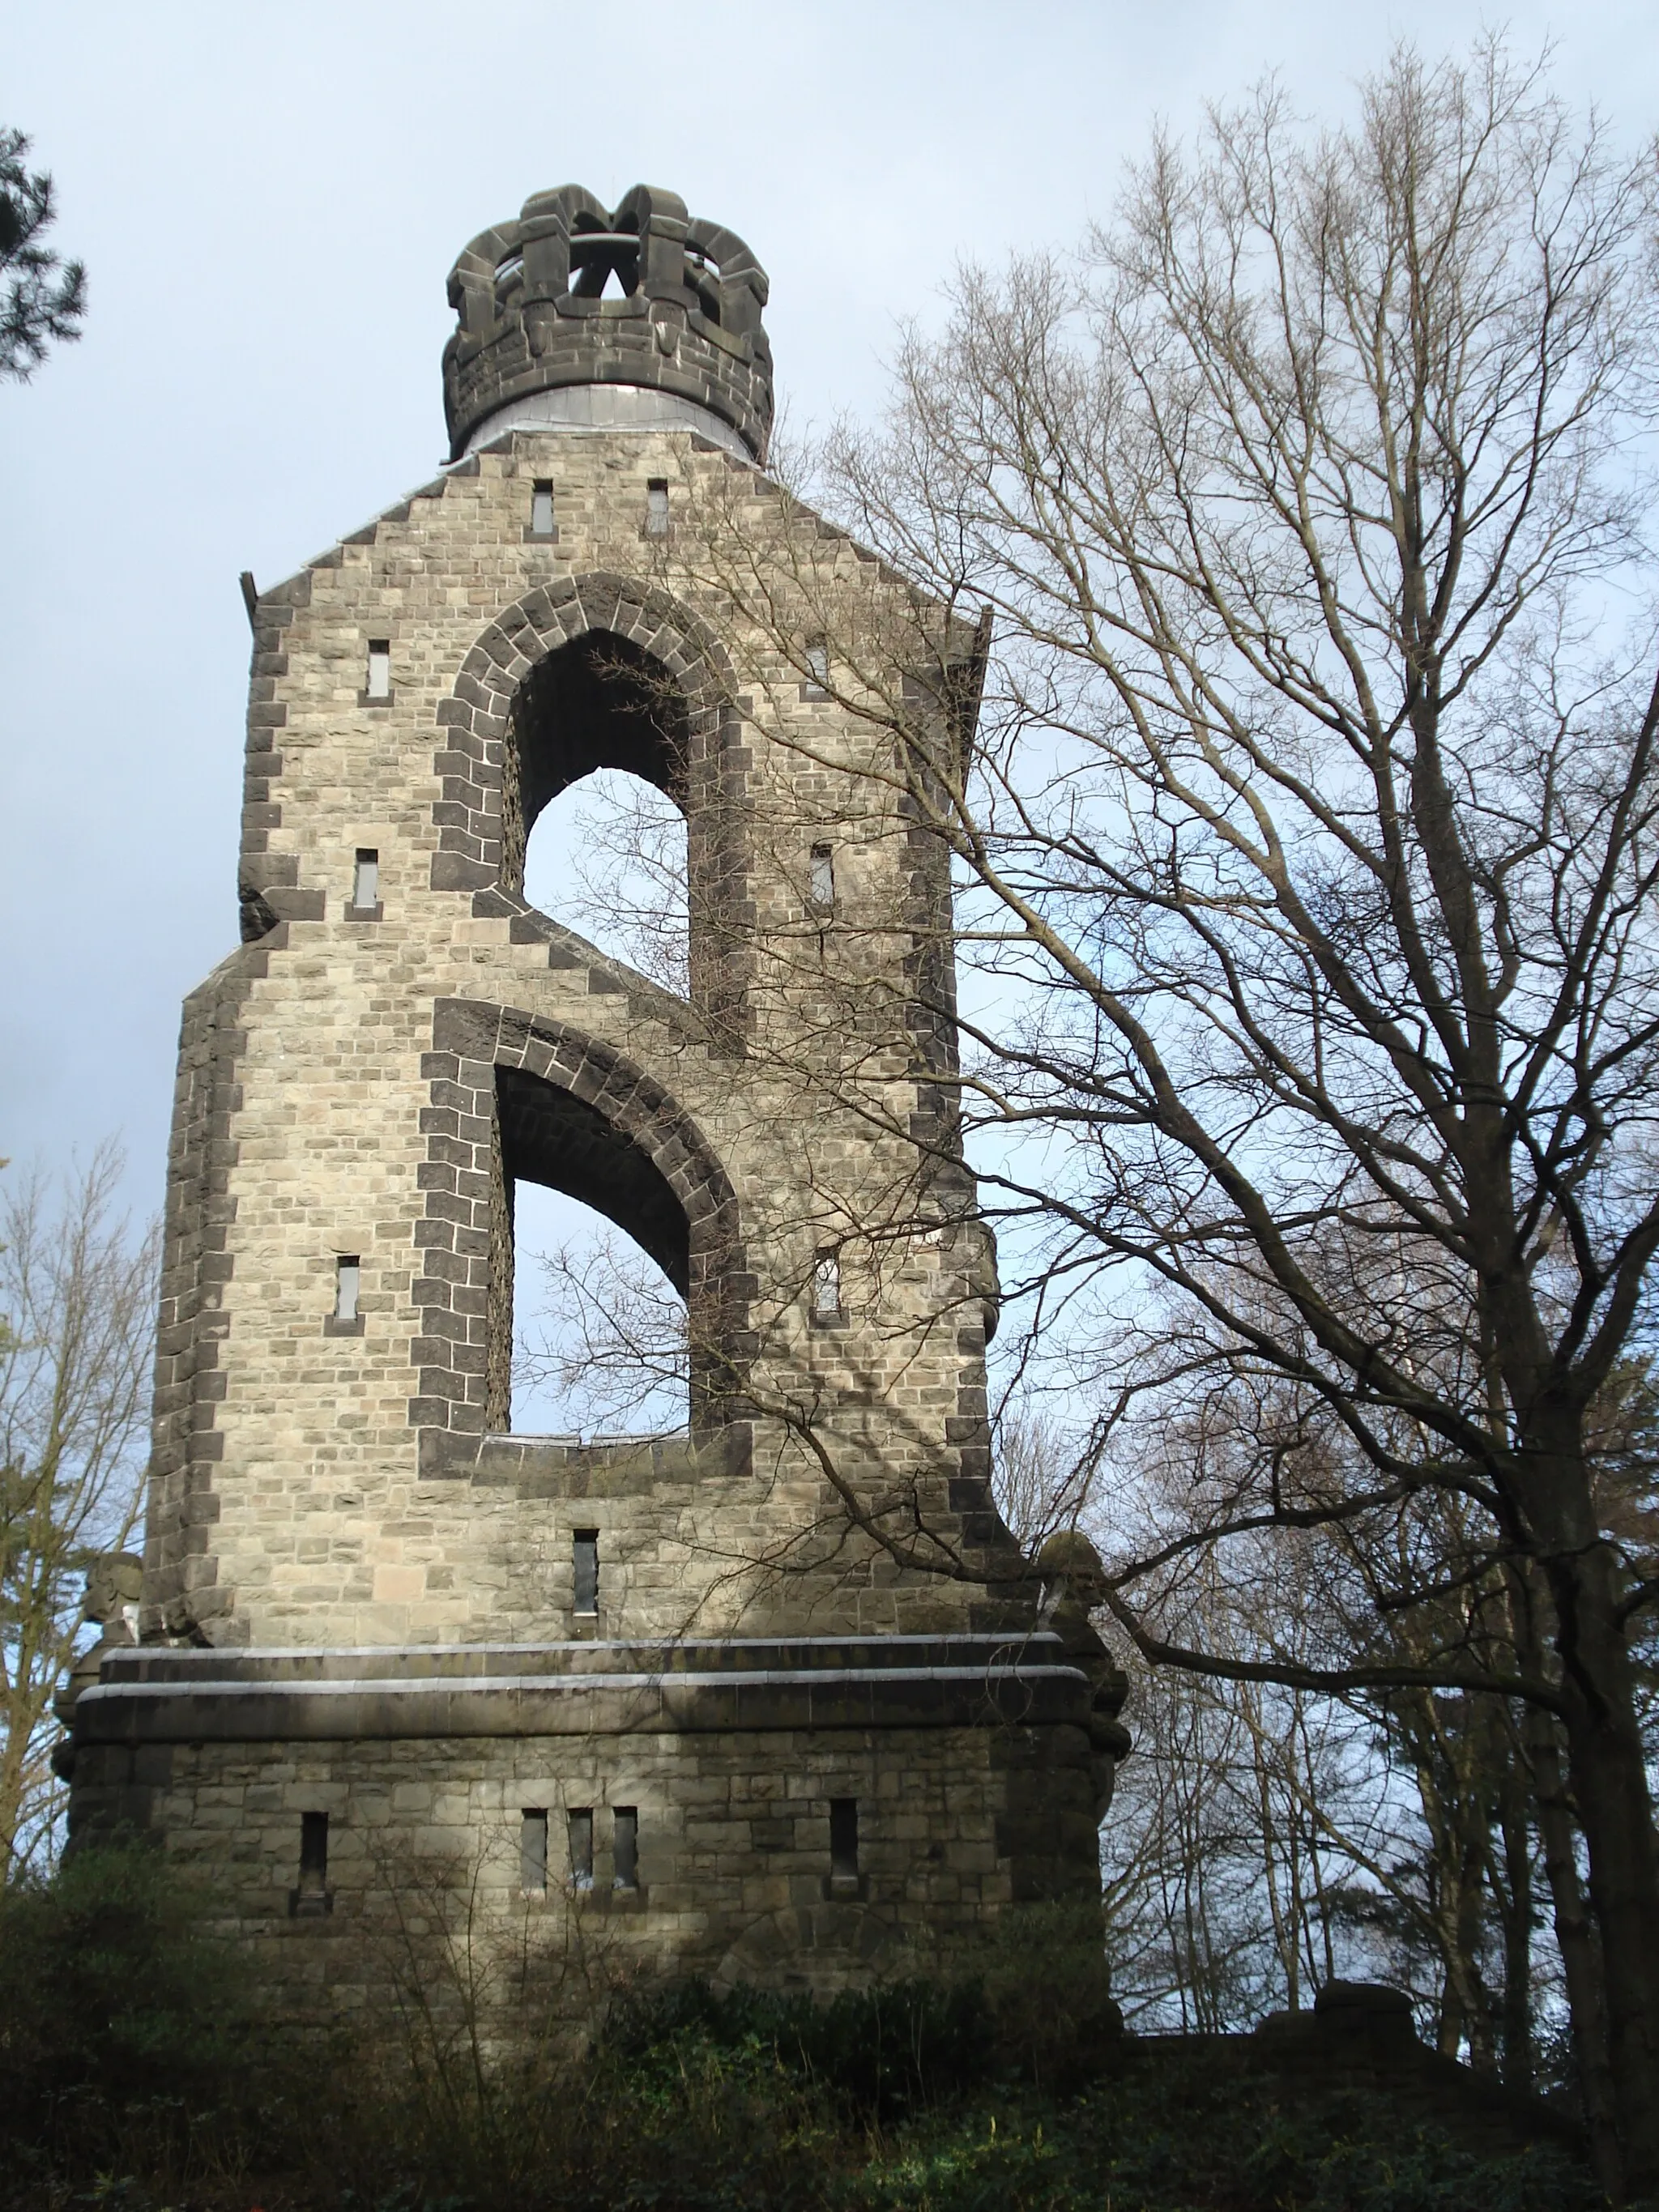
(675, 1685)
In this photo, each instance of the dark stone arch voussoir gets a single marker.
(507, 1090)
(481, 818)
(475, 717)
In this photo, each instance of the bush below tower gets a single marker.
(136, 2071)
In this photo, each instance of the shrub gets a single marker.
(107, 1983)
(124, 2045)
(1167, 2131)
(1047, 1992)
(130, 2077)
(881, 2053)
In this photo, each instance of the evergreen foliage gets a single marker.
(45, 297)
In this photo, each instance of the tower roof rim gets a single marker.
(535, 312)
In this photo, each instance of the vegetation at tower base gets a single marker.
(44, 298)
(137, 2068)
(1305, 894)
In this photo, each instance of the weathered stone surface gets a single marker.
(686, 321)
(358, 1591)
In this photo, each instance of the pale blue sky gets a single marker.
(269, 200)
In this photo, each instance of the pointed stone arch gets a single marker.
(480, 816)
(500, 1078)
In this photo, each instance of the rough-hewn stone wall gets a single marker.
(341, 1493)
(734, 1859)
(366, 1052)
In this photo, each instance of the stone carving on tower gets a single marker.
(671, 1683)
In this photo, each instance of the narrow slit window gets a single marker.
(818, 672)
(823, 880)
(366, 878)
(348, 1273)
(826, 1287)
(625, 1848)
(313, 1850)
(586, 1566)
(541, 511)
(656, 507)
(581, 1825)
(311, 1895)
(379, 685)
(533, 1853)
(844, 1835)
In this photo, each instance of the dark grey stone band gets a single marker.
(580, 1689)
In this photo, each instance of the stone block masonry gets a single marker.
(728, 1756)
(361, 1605)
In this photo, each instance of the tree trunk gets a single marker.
(1469, 1872)
(1608, 1773)
(1575, 1941)
(1516, 1906)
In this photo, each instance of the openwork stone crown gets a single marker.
(683, 317)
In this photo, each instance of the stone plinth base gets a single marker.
(811, 1811)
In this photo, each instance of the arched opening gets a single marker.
(599, 701)
(599, 1335)
(550, 1136)
(609, 856)
(597, 784)
(596, 802)
(515, 1098)
(603, 261)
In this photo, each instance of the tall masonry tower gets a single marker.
(769, 1697)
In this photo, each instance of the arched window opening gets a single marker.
(599, 1331)
(590, 1332)
(608, 856)
(602, 713)
(599, 701)
(603, 261)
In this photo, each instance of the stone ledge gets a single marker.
(566, 1466)
(954, 1652)
(761, 1699)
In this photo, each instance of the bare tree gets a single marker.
(1341, 1828)
(611, 1337)
(1306, 853)
(77, 1314)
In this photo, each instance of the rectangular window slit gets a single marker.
(379, 669)
(366, 878)
(656, 507)
(541, 511)
(311, 1899)
(823, 877)
(347, 1273)
(313, 1850)
(587, 1563)
(826, 1287)
(581, 1824)
(818, 672)
(625, 1847)
(533, 1853)
(844, 1835)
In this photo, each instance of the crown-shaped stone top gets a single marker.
(572, 293)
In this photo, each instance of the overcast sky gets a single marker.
(269, 200)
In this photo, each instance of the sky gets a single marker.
(269, 201)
